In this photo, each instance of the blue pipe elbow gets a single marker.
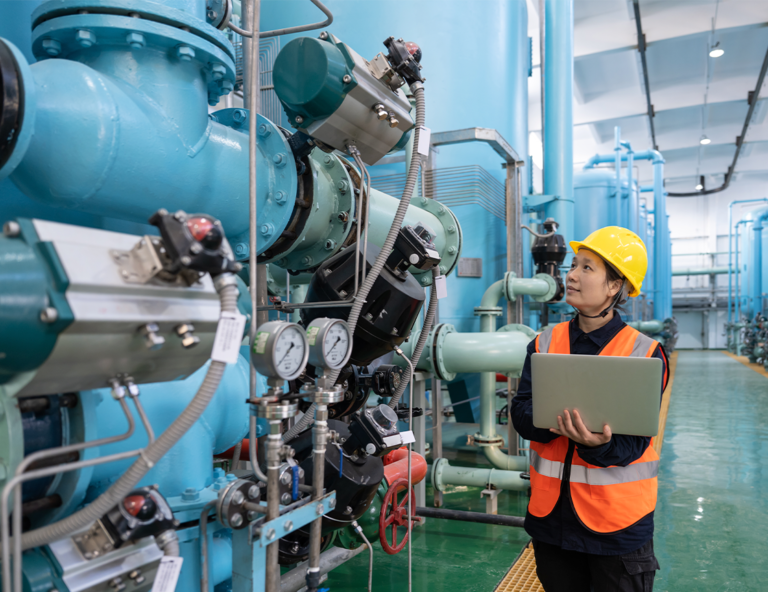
(122, 131)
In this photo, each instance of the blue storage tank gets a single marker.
(594, 193)
(464, 52)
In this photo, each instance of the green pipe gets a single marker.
(479, 352)
(703, 271)
(649, 327)
(488, 311)
(501, 351)
(444, 474)
(298, 295)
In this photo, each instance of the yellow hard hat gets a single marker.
(621, 248)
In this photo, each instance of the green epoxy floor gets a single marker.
(711, 518)
(712, 515)
(447, 555)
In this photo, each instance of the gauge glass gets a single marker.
(289, 351)
(336, 345)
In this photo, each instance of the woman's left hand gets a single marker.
(578, 432)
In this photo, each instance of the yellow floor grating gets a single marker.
(521, 577)
(745, 360)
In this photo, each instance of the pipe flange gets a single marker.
(437, 474)
(482, 441)
(230, 508)
(218, 13)
(495, 311)
(334, 203)
(276, 411)
(322, 396)
(17, 107)
(552, 287)
(137, 10)
(454, 238)
(65, 36)
(277, 204)
(439, 334)
(11, 103)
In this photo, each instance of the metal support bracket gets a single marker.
(141, 263)
(249, 545)
(268, 533)
(532, 203)
(491, 501)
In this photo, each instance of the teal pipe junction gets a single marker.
(444, 474)
(649, 327)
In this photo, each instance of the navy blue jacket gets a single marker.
(561, 527)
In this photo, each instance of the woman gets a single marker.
(593, 495)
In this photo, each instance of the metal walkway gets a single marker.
(521, 577)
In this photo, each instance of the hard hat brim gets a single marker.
(577, 245)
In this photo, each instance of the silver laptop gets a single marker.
(623, 392)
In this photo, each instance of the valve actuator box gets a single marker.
(337, 97)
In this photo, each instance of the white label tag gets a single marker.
(167, 574)
(440, 286)
(408, 437)
(425, 136)
(229, 336)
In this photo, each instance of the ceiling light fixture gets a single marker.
(702, 184)
(704, 140)
(716, 51)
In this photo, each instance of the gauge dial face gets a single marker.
(336, 345)
(289, 351)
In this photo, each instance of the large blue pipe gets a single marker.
(558, 113)
(662, 263)
(120, 127)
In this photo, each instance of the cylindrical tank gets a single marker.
(455, 70)
(594, 192)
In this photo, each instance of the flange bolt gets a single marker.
(136, 40)
(52, 47)
(185, 53)
(85, 38)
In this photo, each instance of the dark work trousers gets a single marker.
(571, 571)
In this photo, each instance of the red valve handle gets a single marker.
(396, 516)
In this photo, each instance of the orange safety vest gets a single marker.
(605, 500)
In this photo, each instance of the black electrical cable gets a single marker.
(462, 516)
(641, 47)
(752, 99)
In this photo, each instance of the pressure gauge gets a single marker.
(330, 343)
(280, 350)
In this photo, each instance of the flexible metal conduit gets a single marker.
(417, 88)
(227, 287)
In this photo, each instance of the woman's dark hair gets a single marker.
(612, 275)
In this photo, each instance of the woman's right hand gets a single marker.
(578, 432)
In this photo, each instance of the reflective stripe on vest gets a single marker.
(605, 499)
(595, 476)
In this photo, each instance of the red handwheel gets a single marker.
(394, 514)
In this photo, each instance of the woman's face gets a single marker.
(585, 285)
